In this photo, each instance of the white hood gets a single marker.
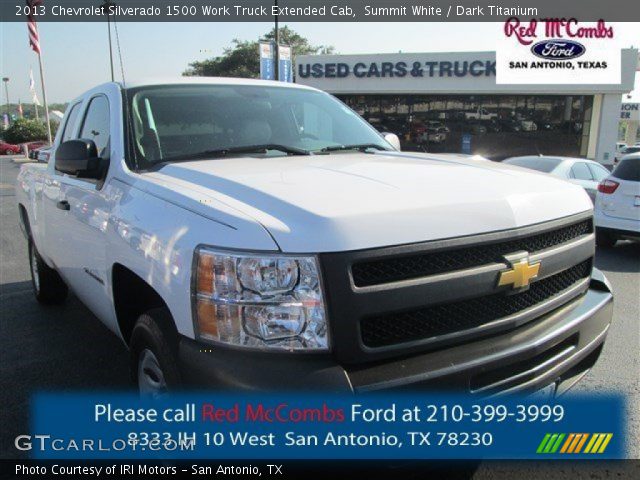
(351, 201)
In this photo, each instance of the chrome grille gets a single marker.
(452, 296)
(413, 266)
(447, 318)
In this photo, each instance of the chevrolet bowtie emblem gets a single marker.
(520, 274)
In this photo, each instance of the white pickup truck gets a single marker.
(252, 235)
(480, 114)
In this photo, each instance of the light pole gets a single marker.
(5, 80)
(277, 38)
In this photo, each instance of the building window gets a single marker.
(500, 126)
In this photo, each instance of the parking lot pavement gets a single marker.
(65, 347)
(20, 159)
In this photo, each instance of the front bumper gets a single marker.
(559, 347)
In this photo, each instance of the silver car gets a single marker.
(580, 171)
(43, 154)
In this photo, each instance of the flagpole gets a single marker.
(44, 97)
(36, 107)
(34, 42)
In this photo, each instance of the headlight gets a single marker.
(260, 301)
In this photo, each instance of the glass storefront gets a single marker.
(495, 126)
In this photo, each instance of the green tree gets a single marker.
(242, 59)
(25, 130)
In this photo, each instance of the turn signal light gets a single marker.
(607, 186)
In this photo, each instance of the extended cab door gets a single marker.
(81, 217)
(50, 214)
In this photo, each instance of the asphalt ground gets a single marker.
(67, 348)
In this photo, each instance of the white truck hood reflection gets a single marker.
(351, 201)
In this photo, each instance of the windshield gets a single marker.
(630, 150)
(180, 122)
(541, 164)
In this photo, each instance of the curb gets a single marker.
(21, 160)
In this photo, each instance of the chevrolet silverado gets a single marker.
(256, 235)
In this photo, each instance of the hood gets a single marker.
(351, 201)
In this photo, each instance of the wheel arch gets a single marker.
(133, 296)
(25, 226)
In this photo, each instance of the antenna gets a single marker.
(115, 25)
(129, 149)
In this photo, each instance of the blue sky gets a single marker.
(75, 54)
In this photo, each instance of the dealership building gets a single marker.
(450, 102)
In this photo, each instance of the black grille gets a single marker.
(376, 272)
(448, 318)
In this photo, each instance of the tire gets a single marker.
(153, 350)
(605, 239)
(48, 287)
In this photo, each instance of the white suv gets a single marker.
(617, 209)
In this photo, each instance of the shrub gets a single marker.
(25, 130)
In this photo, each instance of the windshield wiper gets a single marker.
(221, 152)
(360, 146)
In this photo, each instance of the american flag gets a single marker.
(34, 39)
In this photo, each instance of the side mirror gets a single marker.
(79, 158)
(393, 139)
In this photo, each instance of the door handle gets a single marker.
(63, 205)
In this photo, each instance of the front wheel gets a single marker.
(154, 366)
(48, 287)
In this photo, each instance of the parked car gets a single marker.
(480, 114)
(431, 135)
(528, 125)
(617, 210)
(625, 151)
(586, 173)
(43, 154)
(31, 146)
(255, 235)
(438, 126)
(9, 149)
(417, 130)
(34, 152)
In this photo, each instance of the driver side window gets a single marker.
(69, 126)
(96, 125)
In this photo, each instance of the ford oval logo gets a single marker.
(558, 49)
